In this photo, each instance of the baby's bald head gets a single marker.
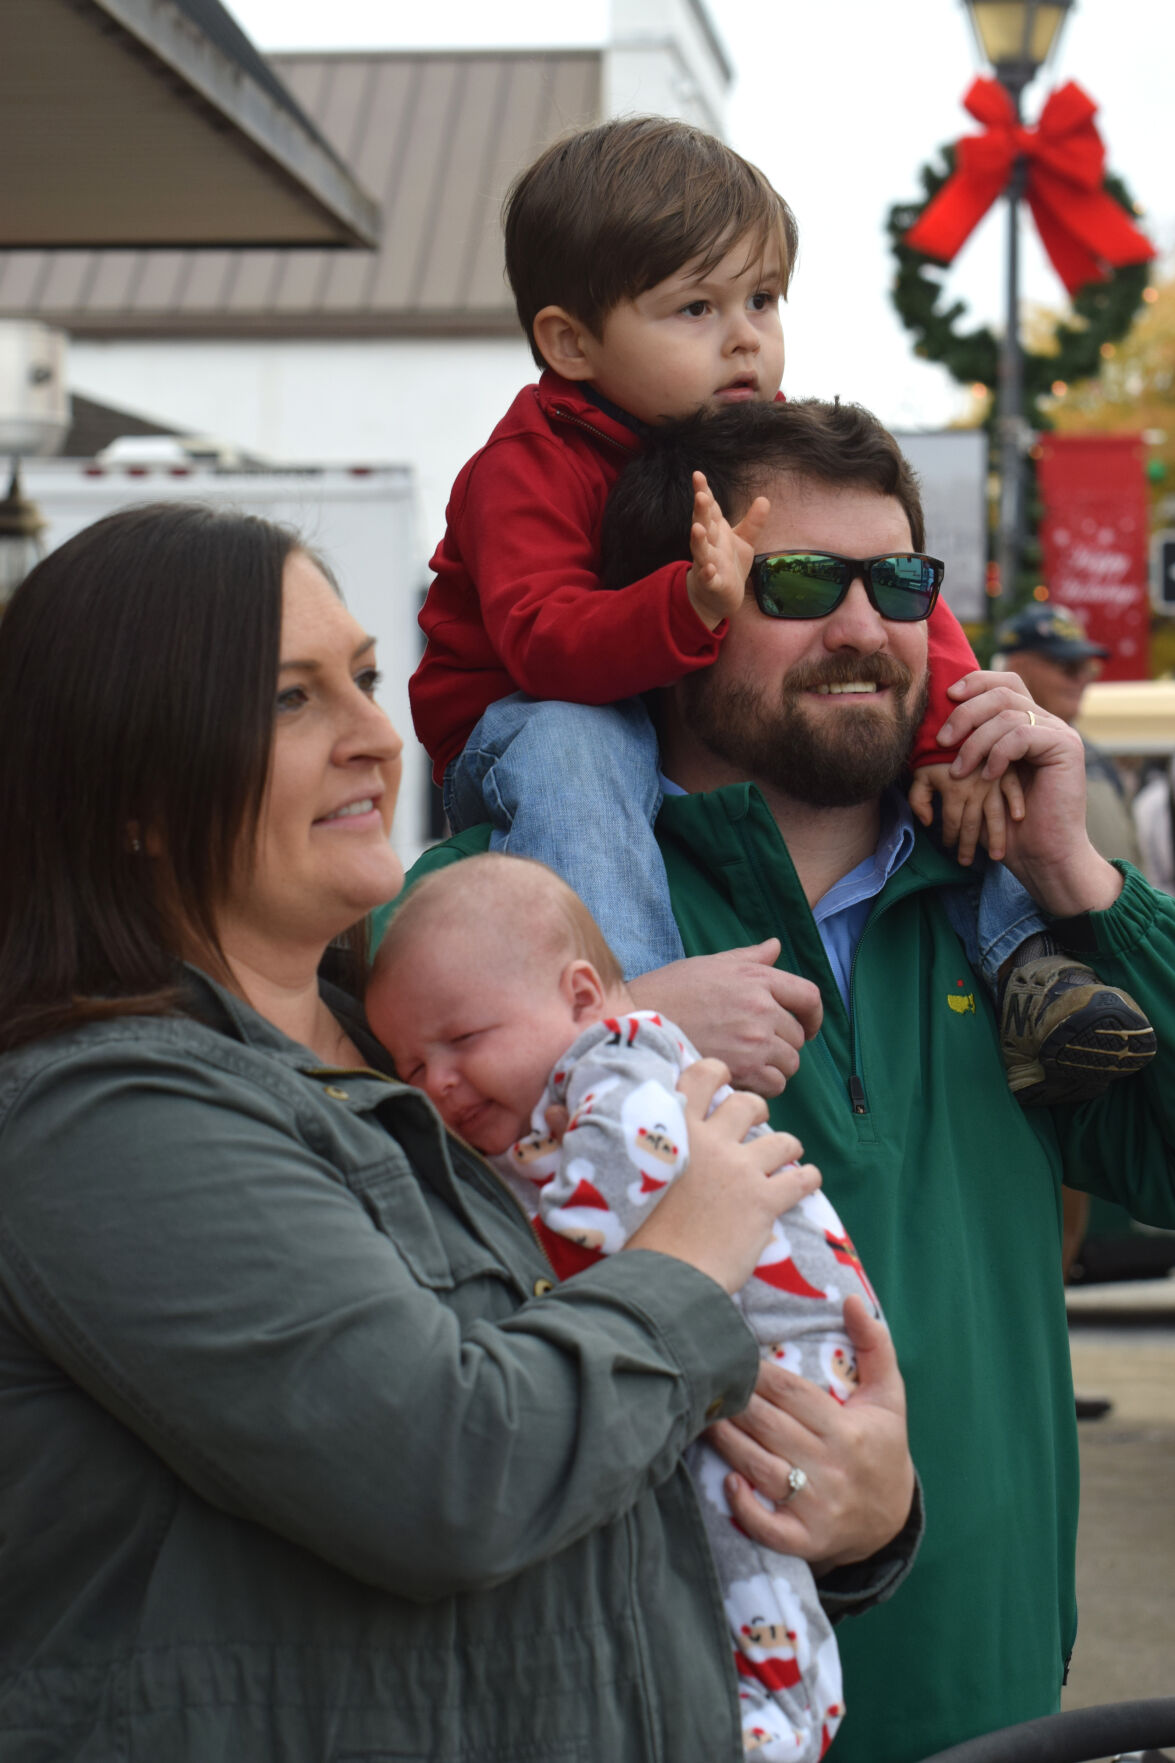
(492, 905)
(489, 972)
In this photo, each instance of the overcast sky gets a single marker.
(840, 102)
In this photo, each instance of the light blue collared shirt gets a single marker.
(841, 913)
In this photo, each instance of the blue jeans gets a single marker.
(991, 916)
(578, 787)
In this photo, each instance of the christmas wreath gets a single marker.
(1085, 218)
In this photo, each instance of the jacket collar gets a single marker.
(707, 819)
(212, 1004)
(562, 400)
(613, 411)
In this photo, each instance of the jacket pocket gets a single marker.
(394, 1199)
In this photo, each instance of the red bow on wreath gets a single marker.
(1080, 225)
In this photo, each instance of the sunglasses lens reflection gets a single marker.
(904, 586)
(799, 586)
(811, 584)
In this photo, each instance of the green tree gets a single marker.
(1134, 389)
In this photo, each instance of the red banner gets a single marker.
(1094, 542)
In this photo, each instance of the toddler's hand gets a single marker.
(971, 806)
(721, 554)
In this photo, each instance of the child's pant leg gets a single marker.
(578, 787)
(992, 917)
(785, 1654)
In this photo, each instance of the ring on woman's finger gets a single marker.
(1032, 719)
(797, 1481)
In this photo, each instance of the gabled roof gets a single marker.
(145, 122)
(435, 137)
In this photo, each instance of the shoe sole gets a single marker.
(1096, 1053)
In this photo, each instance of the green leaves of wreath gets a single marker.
(1102, 312)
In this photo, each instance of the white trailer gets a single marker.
(361, 518)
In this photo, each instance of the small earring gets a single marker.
(136, 844)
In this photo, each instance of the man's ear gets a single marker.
(583, 990)
(559, 338)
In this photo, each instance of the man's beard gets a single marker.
(826, 761)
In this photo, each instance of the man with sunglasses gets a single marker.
(812, 911)
(786, 825)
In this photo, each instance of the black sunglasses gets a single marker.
(902, 586)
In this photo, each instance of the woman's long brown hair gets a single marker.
(138, 669)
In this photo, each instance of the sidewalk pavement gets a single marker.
(1123, 1345)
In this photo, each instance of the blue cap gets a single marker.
(1048, 631)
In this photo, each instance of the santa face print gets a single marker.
(534, 1149)
(655, 1143)
(772, 1637)
(585, 1238)
(655, 1138)
(582, 1215)
(770, 1631)
(536, 1157)
(840, 1370)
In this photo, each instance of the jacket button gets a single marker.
(715, 1408)
(543, 1286)
(336, 1095)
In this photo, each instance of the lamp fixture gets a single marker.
(1017, 36)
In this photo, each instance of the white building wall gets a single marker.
(660, 60)
(427, 403)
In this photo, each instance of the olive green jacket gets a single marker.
(302, 1456)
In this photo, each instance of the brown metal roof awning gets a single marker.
(436, 136)
(157, 123)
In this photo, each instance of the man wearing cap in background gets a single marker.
(1056, 661)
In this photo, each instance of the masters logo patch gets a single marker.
(961, 1002)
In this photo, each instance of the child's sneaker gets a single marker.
(1065, 1035)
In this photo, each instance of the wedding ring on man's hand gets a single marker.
(1032, 719)
(797, 1481)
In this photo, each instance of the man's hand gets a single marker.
(722, 555)
(996, 723)
(856, 1456)
(972, 808)
(741, 1008)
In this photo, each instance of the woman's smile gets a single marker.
(362, 815)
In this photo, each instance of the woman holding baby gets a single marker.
(303, 1453)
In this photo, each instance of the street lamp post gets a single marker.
(21, 526)
(1016, 37)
